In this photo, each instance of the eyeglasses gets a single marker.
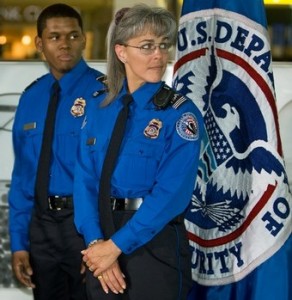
(149, 48)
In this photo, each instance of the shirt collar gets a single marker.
(70, 79)
(143, 95)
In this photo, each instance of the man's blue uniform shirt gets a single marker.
(161, 169)
(80, 82)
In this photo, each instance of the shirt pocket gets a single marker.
(138, 164)
(96, 151)
(66, 146)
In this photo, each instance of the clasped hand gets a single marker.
(101, 259)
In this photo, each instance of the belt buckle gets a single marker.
(53, 206)
(133, 203)
(113, 203)
(117, 204)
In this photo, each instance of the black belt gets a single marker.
(60, 202)
(134, 204)
(126, 203)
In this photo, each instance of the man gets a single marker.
(44, 242)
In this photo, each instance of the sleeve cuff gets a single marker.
(128, 240)
(18, 242)
(91, 231)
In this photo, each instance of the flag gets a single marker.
(239, 221)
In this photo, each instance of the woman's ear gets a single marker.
(121, 53)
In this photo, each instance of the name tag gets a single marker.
(29, 126)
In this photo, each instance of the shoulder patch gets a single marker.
(187, 127)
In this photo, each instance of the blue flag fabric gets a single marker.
(239, 221)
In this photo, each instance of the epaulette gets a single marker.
(33, 83)
(30, 85)
(102, 79)
(167, 96)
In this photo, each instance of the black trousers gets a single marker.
(56, 258)
(160, 270)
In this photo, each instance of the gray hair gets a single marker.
(130, 23)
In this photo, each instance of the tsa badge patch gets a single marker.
(187, 127)
(153, 128)
(78, 108)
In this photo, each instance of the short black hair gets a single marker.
(56, 10)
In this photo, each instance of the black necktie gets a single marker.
(105, 211)
(42, 176)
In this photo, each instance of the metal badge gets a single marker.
(152, 130)
(77, 110)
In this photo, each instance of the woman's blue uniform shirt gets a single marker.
(28, 127)
(162, 170)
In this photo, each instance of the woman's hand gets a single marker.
(113, 279)
(101, 259)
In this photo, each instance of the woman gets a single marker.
(147, 257)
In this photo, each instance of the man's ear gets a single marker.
(84, 42)
(38, 44)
